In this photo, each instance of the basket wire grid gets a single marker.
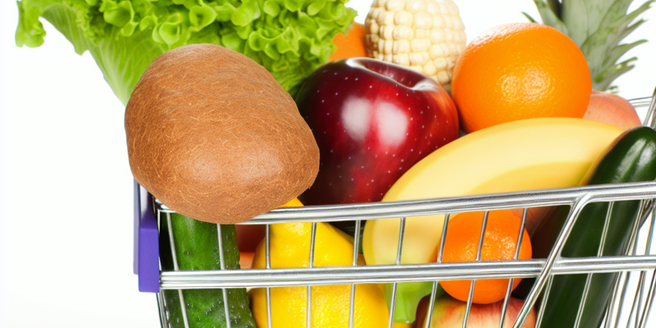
(634, 286)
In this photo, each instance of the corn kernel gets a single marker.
(415, 6)
(403, 18)
(429, 68)
(419, 45)
(438, 22)
(373, 28)
(389, 45)
(388, 32)
(388, 18)
(401, 59)
(421, 33)
(402, 32)
(437, 36)
(423, 20)
(394, 5)
(440, 63)
(435, 51)
(401, 46)
(418, 58)
(443, 78)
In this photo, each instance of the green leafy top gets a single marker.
(290, 38)
(597, 27)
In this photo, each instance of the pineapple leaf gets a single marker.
(549, 17)
(556, 6)
(531, 19)
(603, 80)
(601, 44)
(627, 31)
(597, 27)
(577, 23)
(619, 51)
(626, 19)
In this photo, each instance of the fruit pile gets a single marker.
(242, 108)
(520, 115)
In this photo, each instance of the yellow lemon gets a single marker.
(290, 248)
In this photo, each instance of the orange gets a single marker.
(350, 45)
(499, 243)
(520, 71)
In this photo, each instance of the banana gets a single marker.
(517, 156)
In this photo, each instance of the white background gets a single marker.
(66, 188)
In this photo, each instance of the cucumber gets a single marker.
(196, 245)
(631, 158)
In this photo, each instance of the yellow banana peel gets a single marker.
(522, 155)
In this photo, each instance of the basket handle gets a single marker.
(146, 241)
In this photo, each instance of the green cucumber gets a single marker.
(631, 158)
(196, 245)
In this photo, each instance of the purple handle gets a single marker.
(146, 241)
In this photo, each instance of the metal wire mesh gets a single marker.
(629, 306)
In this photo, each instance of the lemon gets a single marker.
(290, 248)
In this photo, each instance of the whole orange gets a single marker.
(499, 243)
(350, 45)
(520, 71)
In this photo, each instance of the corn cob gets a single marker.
(425, 35)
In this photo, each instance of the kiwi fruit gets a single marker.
(213, 136)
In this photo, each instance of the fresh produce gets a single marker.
(196, 248)
(516, 156)
(632, 158)
(499, 244)
(597, 27)
(519, 71)
(425, 35)
(290, 248)
(534, 215)
(213, 145)
(612, 109)
(522, 155)
(249, 236)
(450, 313)
(291, 39)
(372, 121)
(408, 296)
(350, 44)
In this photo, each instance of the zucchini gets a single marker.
(631, 158)
(196, 245)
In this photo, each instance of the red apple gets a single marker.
(372, 121)
(450, 313)
(249, 236)
(612, 109)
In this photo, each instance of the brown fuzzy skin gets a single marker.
(212, 135)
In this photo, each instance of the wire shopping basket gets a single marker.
(629, 305)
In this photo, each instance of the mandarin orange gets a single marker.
(520, 71)
(499, 243)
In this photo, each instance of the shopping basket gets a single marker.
(629, 305)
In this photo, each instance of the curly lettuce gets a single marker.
(290, 38)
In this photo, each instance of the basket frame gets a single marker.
(639, 261)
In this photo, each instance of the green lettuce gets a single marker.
(290, 38)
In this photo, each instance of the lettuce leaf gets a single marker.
(290, 38)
